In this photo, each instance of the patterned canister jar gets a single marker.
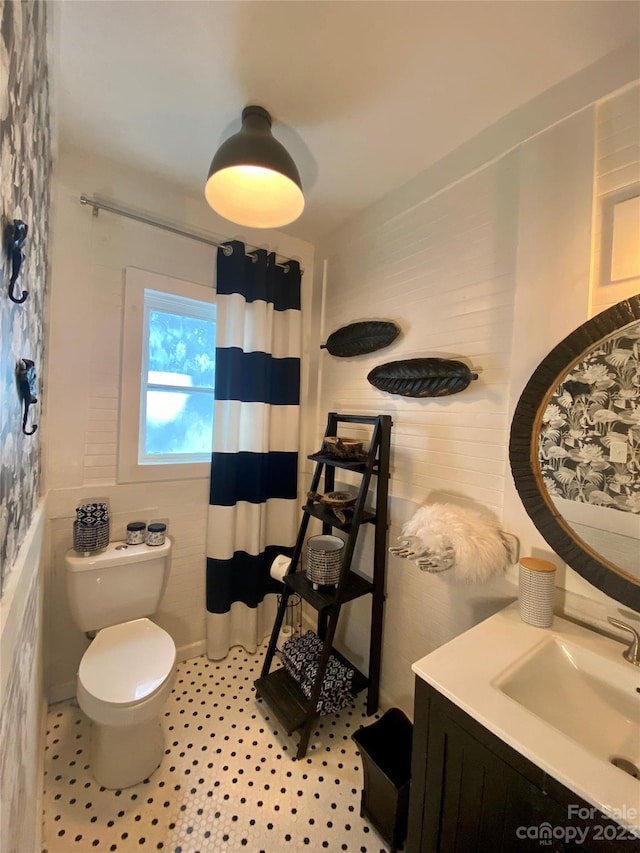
(156, 533)
(136, 532)
(324, 560)
(536, 591)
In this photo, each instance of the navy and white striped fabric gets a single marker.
(253, 510)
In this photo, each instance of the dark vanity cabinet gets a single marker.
(471, 792)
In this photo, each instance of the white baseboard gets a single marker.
(193, 650)
(62, 692)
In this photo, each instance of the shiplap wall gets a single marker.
(445, 271)
(617, 167)
(618, 141)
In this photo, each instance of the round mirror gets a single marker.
(575, 450)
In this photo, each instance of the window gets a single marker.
(176, 425)
(620, 237)
(168, 370)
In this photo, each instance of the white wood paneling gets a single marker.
(445, 272)
(22, 693)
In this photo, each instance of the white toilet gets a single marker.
(126, 674)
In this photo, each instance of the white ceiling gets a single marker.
(365, 95)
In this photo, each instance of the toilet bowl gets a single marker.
(126, 674)
(124, 678)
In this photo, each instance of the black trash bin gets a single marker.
(385, 747)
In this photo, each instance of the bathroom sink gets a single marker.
(582, 694)
(563, 697)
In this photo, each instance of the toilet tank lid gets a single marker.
(115, 554)
(127, 662)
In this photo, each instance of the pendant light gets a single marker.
(252, 179)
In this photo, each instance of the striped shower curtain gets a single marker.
(253, 513)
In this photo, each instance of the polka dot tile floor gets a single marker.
(227, 781)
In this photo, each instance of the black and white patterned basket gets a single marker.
(92, 527)
(89, 538)
(300, 657)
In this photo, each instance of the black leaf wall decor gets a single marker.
(422, 377)
(361, 338)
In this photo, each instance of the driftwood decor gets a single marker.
(422, 377)
(361, 338)
(343, 448)
(337, 502)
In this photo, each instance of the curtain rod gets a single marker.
(98, 204)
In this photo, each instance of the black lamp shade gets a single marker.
(252, 179)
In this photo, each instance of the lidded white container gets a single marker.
(536, 591)
(122, 583)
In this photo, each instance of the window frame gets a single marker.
(131, 418)
(608, 204)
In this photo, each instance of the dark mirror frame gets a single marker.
(523, 454)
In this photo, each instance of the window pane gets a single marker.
(179, 422)
(625, 247)
(183, 346)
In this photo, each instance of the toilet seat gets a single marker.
(126, 664)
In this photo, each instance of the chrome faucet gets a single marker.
(632, 654)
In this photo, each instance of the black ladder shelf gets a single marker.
(279, 689)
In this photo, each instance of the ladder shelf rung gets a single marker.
(326, 516)
(349, 464)
(283, 695)
(324, 597)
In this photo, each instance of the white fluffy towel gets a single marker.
(445, 536)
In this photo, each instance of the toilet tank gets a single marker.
(116, 585)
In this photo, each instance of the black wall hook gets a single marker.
(26, 375)
(15, 236)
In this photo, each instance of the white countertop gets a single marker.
(464, 670)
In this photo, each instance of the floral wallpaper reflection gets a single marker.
(590, 437)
